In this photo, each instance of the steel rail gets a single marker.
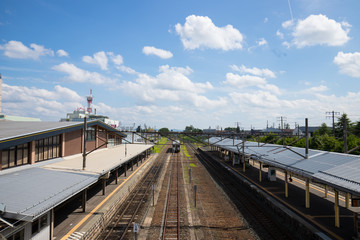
(244, 202)
(147, 179)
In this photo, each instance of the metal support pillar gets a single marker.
(243, 152)
(132, 164)
(137, 161)
(116, 176)
(233, 158)
(52, 217)
(125, 169)
(84, 197)
(356, 225)
(336, 207)
(84, 142)
(347, 196)
(260, 171)
(286, 185)
(326, 191)
(104, 185)
(307, 193)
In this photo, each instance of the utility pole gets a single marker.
(84, 149)
(332, 115)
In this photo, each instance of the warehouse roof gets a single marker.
(32, 190)
(335, 169)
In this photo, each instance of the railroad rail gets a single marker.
(257, 216)
(128, 213)
(171, 219)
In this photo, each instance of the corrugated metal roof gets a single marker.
(15, 133)
(29, 193)
(31, 190)
(10, 129)
(336, 169)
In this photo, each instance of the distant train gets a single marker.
(176, 146)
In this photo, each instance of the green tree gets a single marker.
(164, 130)
(339, 125)
(138, 129)
(324, 129)
(189, 128)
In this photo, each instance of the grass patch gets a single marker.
(160, 145)
(192, 165)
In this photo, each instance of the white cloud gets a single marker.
(62, 53)
(79, 75)
(318, 89)
(116, 59)
(16, 49)
(287, 24)
(264, 72)
(126, 69)
(171, 84)
(98, 58)
(266, 20)
(349, 63)
(38, 102)
(242, 81)
(279, 34)
(200, 32)
(319, 30)
(262, 42)
(147, 50)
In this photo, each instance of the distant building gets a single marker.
(79, 114)
(209, 131)
(300, 131)
(18, 119)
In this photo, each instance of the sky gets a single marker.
(178, 63)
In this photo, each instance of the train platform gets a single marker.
(72, 223)
(321, 212)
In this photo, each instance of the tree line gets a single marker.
(325, 138)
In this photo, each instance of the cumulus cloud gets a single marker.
(148, 50)
(262, 42)
(318, 30)
(264, 72)
(16, 49)
(279, 34)
(242, 81)
(38, 102)
(116, 59)
(349, 63)
(62, 53)
(98, 58)
(79, 75)
(126, 69)
(201, 32)
(171, 84)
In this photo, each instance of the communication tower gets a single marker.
(89, 101)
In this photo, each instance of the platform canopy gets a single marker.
(29, 191)
(337, 170)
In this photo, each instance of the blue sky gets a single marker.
(176, 63)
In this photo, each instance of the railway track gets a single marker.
(170, 228)
(129, 212)
(257, 216)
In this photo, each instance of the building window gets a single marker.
(90, 134)
(15, 156)
(47, 148)
(17, 236)
(39, 224)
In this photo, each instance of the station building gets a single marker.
(42, 166)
